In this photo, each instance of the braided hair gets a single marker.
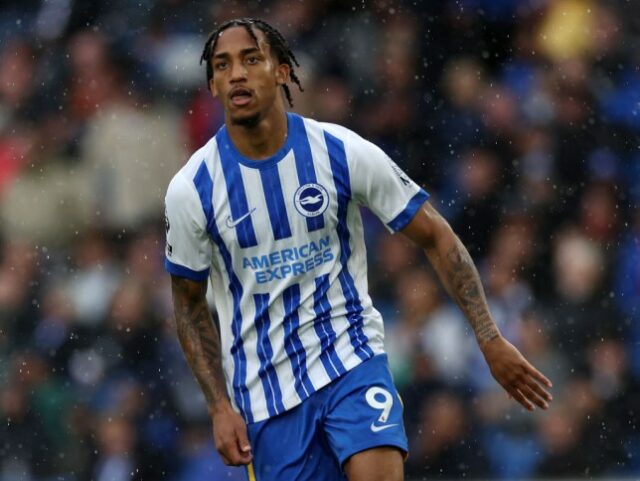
(275, 39)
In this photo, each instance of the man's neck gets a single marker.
(263, 140)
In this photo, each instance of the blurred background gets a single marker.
(520, 117)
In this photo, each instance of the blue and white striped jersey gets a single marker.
(282, 241)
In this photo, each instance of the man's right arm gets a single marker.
(201, 345)
(199, 339)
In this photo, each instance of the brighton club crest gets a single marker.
(311, 200)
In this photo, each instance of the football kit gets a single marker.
(281, 240)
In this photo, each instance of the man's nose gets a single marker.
(238, 71)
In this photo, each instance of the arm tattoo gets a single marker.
(466, 289)
(199, 338)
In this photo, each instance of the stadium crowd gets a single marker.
(520, 117)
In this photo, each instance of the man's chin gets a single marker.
(246, 120)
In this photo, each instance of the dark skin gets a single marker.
(247, 78)
(258, 128)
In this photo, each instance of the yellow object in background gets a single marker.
(567, 30)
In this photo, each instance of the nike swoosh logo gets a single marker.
(376, 429)
(230, 223)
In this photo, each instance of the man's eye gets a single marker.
(220, 65)
(252, 60)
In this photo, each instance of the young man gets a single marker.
(296, 381)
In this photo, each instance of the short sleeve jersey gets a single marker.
(282, 241)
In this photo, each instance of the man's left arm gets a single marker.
(457, 272)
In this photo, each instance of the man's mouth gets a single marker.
(240, 97)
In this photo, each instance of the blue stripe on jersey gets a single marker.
(235, 191)
(324, 329)
(267, 372)
(338, 160)
(204, 186)
(182, 271)
(409, 212)
(272, 188)
(304, 163)
(292, 344)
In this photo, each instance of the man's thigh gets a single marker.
(292, 446)
(383, 464)
(364, 413)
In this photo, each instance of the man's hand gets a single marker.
(520, 379)
(230, 436)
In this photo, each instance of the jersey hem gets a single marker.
(181, 271)
(409, 212)
(263, 414)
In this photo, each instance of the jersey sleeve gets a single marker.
(188, 246)
(379, 184)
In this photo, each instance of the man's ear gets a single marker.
(212, 88)
(283, 71)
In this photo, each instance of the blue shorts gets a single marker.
(358, 411)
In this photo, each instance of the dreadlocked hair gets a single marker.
(275, 39)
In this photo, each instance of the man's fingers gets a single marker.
(244, 454)
(538, 376)
(243, 445)
(233, 457)
(540, 391)
(243, 439)
(231, 453)
(533, 396)
(231, 439)
(225, 460)
(518, 396)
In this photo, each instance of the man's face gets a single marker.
(246, 76)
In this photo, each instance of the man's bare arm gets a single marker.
(201, 345)
(465, 287)
(457, 272)
(455, 268)
(199, 338)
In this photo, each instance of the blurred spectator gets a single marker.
(599, 213)
(35, 404)
(417, 298)
(560, 432)
(49, 201)
(116, 440)
(94, 279)
(426, 327)
(18, 290)
(442, 447)
(478, 199)
(129, 183)
(584, 312)
(627, 289)
(393, 256)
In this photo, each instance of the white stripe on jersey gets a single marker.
(282, 240)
